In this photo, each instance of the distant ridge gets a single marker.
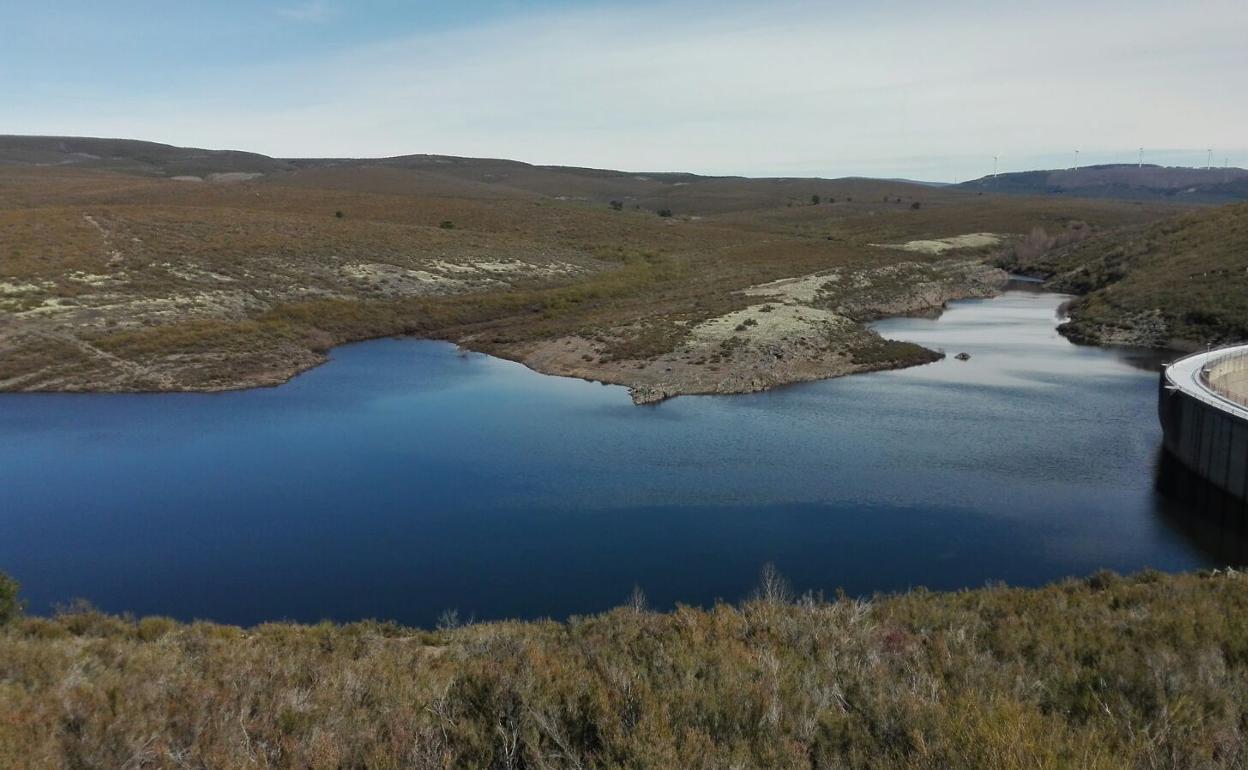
(155, 158)
(449, 176)
(131, 155)
(1124, 181)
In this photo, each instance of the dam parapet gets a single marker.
(1203, 408)
(1227, 376)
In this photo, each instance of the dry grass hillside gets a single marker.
(120, 269)
(1142, 672)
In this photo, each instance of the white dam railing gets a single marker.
(1190, 375)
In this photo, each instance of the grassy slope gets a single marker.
(277, 250)
(1184, 278)
(1149, 671)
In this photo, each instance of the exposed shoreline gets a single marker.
(799, 329)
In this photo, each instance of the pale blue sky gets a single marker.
(927, 90)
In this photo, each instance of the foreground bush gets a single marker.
(1110, 672)
(10, 605)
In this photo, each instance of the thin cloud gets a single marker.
(311, 12)
(794, 89)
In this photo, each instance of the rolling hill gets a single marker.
(1180, 282)
(1123, 181)
(135, 266)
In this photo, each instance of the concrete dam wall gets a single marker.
(1203, 407)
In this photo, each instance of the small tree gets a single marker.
(665, 212)
(10, 605)
(339, 214)
(448, 620)
(814, 200)
(617, 205)
(637, 600)
(916, 206)
(772, 586)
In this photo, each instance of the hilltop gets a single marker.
(1123, 181)
(130, 266)
(436, 174)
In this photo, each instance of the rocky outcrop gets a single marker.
(1146, 329)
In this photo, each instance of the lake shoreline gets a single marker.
(801, 329)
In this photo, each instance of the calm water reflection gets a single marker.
(403, 479)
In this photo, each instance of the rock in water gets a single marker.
(963, 356)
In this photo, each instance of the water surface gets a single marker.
(403, 479)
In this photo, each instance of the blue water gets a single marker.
(403, 479)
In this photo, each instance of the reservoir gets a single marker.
(403, 479)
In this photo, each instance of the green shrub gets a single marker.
(10, 605)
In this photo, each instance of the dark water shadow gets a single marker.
(1203, 514)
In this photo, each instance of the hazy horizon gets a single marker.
(796, 88)
(1178, 158)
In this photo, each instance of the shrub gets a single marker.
(617, 205)
(772, 586)
(916, 206)
(447, 224)
(339, 214)
(665, 212)
(814, 200)
(10, 605)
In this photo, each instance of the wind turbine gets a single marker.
(1076, 160)
(1209, 160)
(1141, 164)
(994, 167)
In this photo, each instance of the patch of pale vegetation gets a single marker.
(234, 176)
(804, 289)
(192, 305)
(195, 273)
(21, 288)
(768, 323)
(941, 245)
(91, 279)
(516, 266)
(443, 266)
(49, 306)
(401, 279)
